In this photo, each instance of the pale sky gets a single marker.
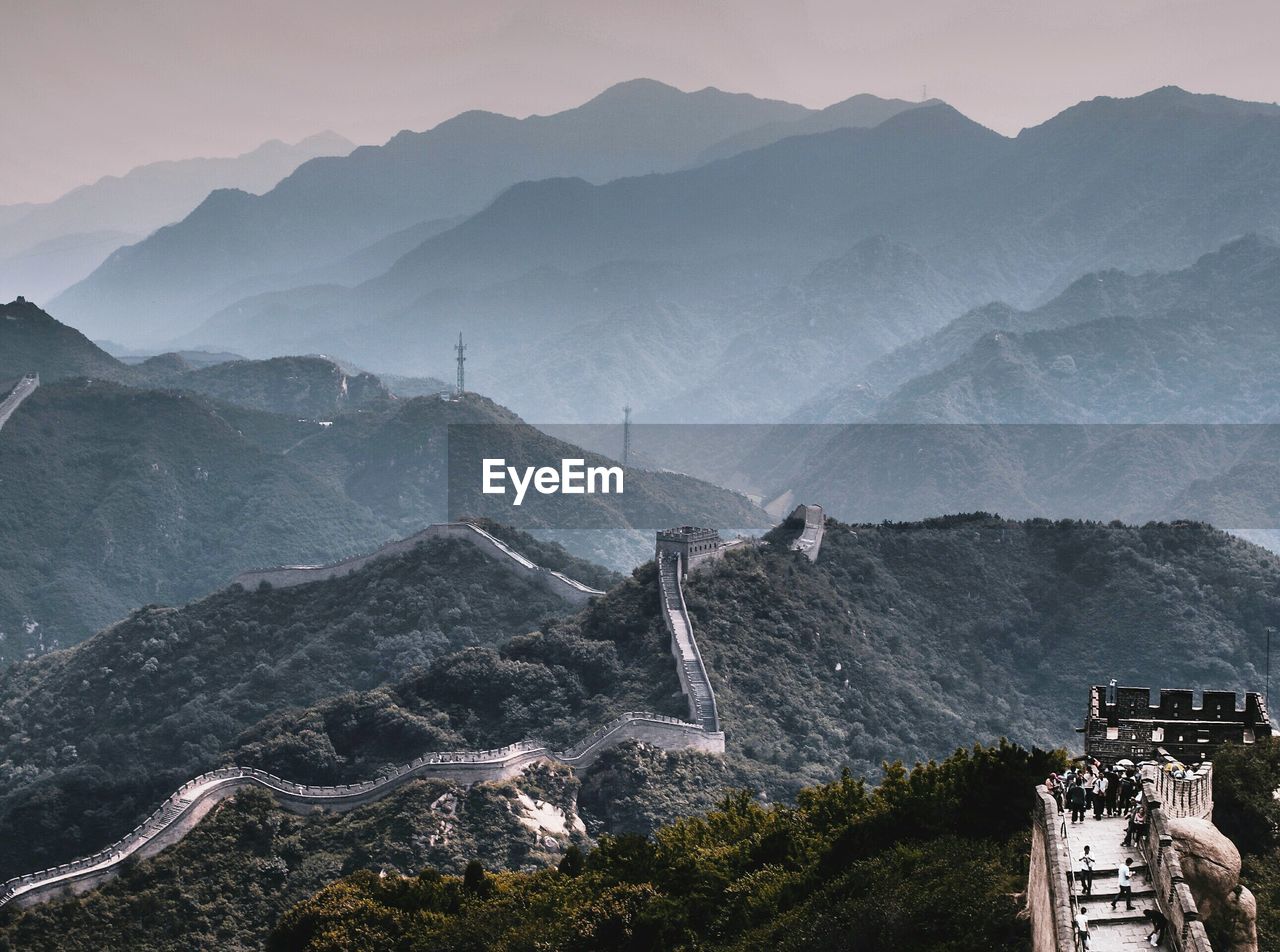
(94, 87)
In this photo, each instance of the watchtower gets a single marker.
(690, 545)
(1123, 723)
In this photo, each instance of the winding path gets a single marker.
(189, 803)
(689, 667)
(24, 388)
(557, 583)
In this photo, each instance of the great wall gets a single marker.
(571, 590)
(186, 806)
(21, 390)
(1182, 866)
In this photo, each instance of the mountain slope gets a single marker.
(329, 208)
(115, 497)
(45, 248)
(1193, 345)
(33, 342)
(1151, 182)
(1237, 278)
(313, 387)
(890, 645)
(859, 111)
(235, 678)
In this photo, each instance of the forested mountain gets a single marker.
(112, 497)
(675, 267)
(33, 342)
(45, 248)
(103, 731)
(891, 645)
(161, 495)
(236, 243)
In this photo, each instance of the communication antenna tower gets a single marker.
(461, 350)
(626, 435)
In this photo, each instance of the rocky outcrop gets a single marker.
(1211, 869)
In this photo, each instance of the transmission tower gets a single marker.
(461, 350)
(626, 435)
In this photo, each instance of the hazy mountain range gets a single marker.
(235, 244)
(45, 248)
(160, 481)
(658, 290)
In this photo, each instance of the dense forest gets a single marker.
(91, 738)
(265, 858)
(930, 859)
(843, 664)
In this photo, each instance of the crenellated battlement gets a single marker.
(1124, 722)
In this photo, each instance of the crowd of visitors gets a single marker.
(1104, 791)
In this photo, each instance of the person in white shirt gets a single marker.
(1082, 926)
(1126, 885)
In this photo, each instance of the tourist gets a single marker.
(1054, 786)
(1113, 790)
(1099, 795)
(1126, 885)
(1158, 922)
(1082, 926)
(1136, 831)
(1086, 872)
(1076, 799)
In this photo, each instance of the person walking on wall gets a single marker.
(1126, 885)
(1086, 872)
(1113, 790)
(1082, 927)
(1099, 795)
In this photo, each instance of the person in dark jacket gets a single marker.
(1077, 800)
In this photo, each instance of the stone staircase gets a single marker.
(693, 673)
(1110, 929)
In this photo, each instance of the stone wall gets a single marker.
(189, 804)
(694, 681)
(815, 524)
(1122, 722)
(1165, 870)
(21, 390)
(1048, 894)
(557, 583)
(174, 818)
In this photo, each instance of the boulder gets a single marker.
(1211, 868)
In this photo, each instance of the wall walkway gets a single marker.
(684, 647)
(190, 802)
(557, 583)
(24, 388)
(810, 539)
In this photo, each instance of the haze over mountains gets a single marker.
(235, 244)
(652, 285)
(160, 481)
(44, 248)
